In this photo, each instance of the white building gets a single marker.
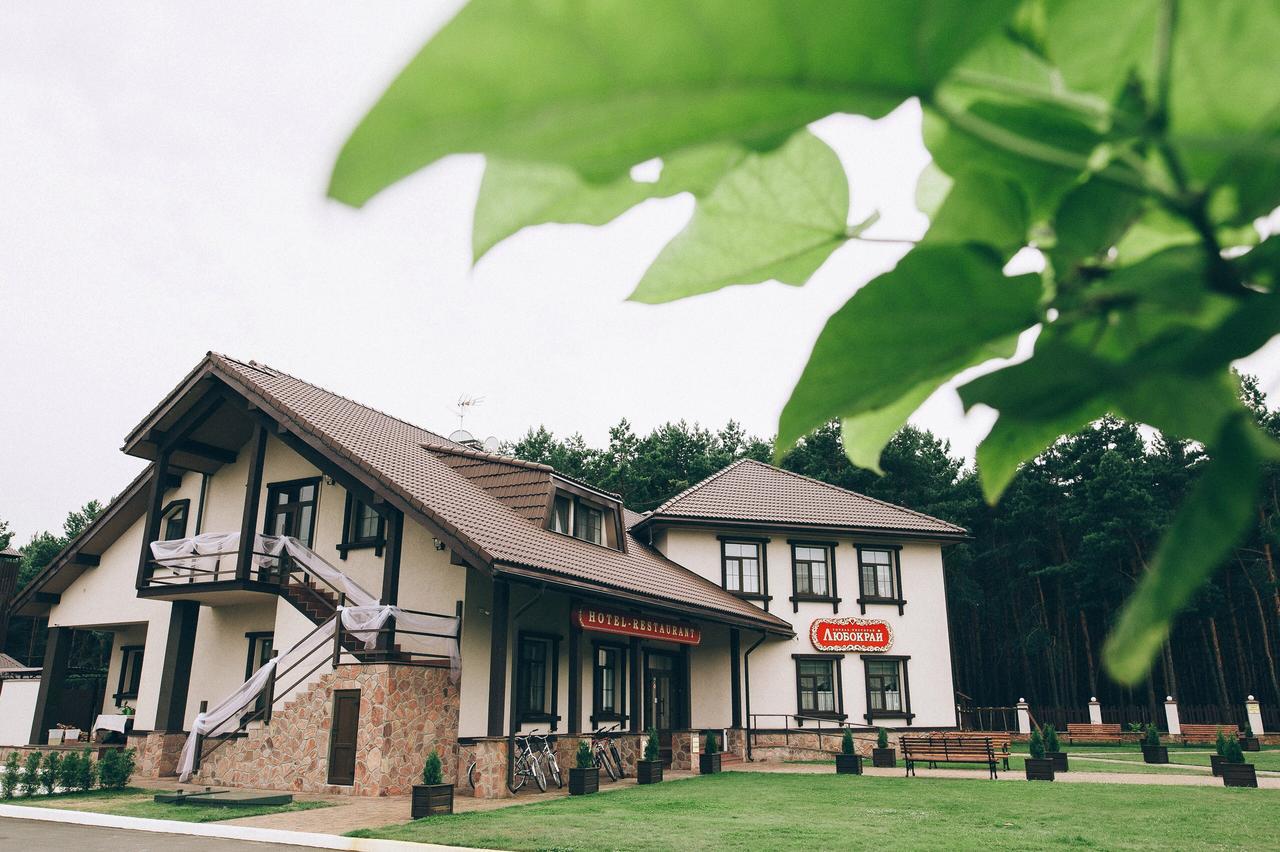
(523, 599)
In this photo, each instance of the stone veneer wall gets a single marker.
(490, 756)
(405, 711)
(158, 753)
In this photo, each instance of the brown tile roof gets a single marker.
(752, 491)
(486, 501)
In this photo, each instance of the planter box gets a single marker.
(584, 781)
(1155, 754)
(1059, 759)
(709, 762)
(431, 800)
(848, 764)
(648, 771)
(1238, 774)
(1250, 744)
(884, 758)
(55, 736)
(1039, 769)
(1215, 763)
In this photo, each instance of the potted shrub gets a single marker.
(585, 777)
(1053, 749)
(709, 759)
(1219, 752)
(1249, 742)
(848, 761)
(882, 756)
(1039, 767)
(1152, 751)
(1235, 772)
(432, 797)
(649, 769)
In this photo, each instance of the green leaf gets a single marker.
(776, 216)
(982, 208)
(1091, 218)
(929, 317)
(600, 87)
(1213, 517)
(516, 195)
(1098, 44)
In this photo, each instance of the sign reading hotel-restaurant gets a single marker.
(850, 634)
(627, 624)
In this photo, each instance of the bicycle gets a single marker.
(548, 756)
(606, 753)
(526, 766)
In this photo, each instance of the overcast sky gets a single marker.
(164, 168)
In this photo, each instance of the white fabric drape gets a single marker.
(357, 620)
(276, 545)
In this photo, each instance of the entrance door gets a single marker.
(663, 698)
(342, 736)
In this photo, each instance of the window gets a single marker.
(291, 509)
(560, 514)
(879, 576)
(743, 567)
(813, 572)
(173, 520)
(818, 691)
(130, 672)
(576, 517)
(888, 690)
(261, 646)
(537, 670)
(609, 680)
(362, 527)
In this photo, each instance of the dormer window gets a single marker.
(583, 518)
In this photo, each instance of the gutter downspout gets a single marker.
(746, 688)
(511, 730)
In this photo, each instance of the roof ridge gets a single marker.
(267, 368)
(470, 452)
(695, 486)
(843, 490)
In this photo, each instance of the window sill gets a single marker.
(815, 599)
(597, 718)
(802, 716)
(377, 545)
(538, 717)
(864, 602)
(750, 596)
(888, 714)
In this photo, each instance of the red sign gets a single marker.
(626, 624)
(850, 634)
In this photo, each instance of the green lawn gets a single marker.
(742, 810)
(137, 802)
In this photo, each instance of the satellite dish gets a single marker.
(462, 436)
(491, 444)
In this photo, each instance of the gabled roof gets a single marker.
(484, 502)
(749, 491)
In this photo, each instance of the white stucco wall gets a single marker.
(920, 632)
(222, 649)
(17, 710)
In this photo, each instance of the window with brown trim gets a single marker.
(537, 676)
(880, 577)
(130, 672)
(813, 573)
(818, 685)
(608, 682)
(362, 527)
(572, 515)
(173, 520)
(888, 688)
(291, 509)
(743, 567)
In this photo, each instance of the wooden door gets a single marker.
(342, 736)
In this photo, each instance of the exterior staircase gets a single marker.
(319, 604)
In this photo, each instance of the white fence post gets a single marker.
(1024, 716)
(1095, 711)
(1253, 710)
(1171, 716)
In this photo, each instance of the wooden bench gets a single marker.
(1097, 733)
(937, 749)
(1001, 744)
(1206, 733)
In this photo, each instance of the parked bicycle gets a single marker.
(547, 756)
(606, 753)
(527, 765)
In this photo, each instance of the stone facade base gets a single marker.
(490, 757)
(405, 712)
(158, 753)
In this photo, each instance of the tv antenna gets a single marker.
(466, 403)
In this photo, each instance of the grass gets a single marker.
(748, 811)
(138, 802)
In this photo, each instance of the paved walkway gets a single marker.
(37, 834)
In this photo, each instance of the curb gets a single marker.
(243, 833)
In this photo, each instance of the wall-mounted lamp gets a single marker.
(439, 545)
(328, 480)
